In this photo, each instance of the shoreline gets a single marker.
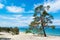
(28, 36)
(47, 34)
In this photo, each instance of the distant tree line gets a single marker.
(11, 30)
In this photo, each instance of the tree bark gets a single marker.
(42, 24)
(44, 31)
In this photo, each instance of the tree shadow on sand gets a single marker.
(5, 38)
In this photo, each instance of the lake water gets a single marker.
(49, 31)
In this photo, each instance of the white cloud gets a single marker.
(19, 20)
(12, 24)
(17, 16)
(54, 5)
(15, 9)
(15, 20)
(56, 22)
(1, 5)
(6, 17)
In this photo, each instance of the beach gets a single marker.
(29, 36)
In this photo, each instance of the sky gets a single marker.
(20, 12)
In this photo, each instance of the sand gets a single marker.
(29, 36)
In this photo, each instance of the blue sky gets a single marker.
(20, 12)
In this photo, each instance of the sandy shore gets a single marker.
(29, 36)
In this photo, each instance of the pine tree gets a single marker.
(42, 19)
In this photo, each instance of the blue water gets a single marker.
(54, 32)
(49, 31)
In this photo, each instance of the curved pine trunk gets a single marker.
(44, 32)
(42, 24)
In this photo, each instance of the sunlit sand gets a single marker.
(29, 36)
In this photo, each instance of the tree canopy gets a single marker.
(42, 19)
